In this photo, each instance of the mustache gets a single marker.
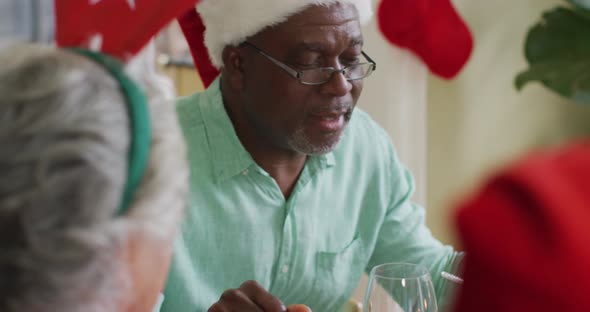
(333, 108)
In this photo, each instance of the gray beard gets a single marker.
(299, 142)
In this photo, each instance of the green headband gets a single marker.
(139, 122)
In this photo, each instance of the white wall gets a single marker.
(395, 96)
(466, 128)
(479, 121)
(453, 133)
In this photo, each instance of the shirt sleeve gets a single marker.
(404, 237)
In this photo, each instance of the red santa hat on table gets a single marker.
(527, 236)
(432, 29)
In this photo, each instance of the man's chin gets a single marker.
(319, 147)
(311, 142)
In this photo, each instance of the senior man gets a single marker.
(294, 192)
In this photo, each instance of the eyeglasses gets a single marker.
(321, 75)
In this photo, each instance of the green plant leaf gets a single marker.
(567, 78)
(581, 7)
(582, 4)
(558, 52)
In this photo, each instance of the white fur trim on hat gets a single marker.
(230, 22)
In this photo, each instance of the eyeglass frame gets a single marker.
(297, 74)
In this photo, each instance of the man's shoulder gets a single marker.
(188, 109)
(189, 103)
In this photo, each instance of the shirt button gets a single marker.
(245, 172)
(285, 269)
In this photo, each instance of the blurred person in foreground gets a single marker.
(527, 234)
(294, 192)
(79, 229)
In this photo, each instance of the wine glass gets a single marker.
(400, 287)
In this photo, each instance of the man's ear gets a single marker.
(233, 67)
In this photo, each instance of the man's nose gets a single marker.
(337, 85)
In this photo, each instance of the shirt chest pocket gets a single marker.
(338, 272)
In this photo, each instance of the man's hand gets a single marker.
(249, 297)
(298, 308)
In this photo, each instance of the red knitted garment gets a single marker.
(527, 236)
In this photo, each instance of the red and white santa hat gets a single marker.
(254, 15)
(209, 28)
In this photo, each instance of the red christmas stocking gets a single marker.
(430, 28)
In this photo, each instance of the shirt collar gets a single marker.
(229, 155)
(230, 158)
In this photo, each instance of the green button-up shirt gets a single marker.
(349, 211)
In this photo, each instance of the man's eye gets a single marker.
(307, 65)
(351, 62)
(307, 61)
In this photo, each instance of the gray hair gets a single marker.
(64, 136)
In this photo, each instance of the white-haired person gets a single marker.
(92, 182)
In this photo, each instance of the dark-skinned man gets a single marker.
(294, 192)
